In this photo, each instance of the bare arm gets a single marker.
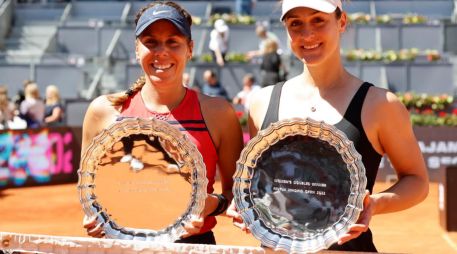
(219, 58)
(99, 115)
(226, 133)
(56, 113)
(258, 109)
(397, 140)
(386, 122)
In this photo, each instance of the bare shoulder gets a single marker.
(383, 110)
(261, 97)
(214, 106)
(384, 117)
(99, 115)
(220, 118)
(100, 107)
(259, 105)
(382, 100)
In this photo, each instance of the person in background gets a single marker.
(264, 35)
(271, 67)
(32, 108)
(187, 82)
(249, 87)
(20, 96)
(212, 86)
(218, 41)
(54, 110)
(325, 91)
(163, 46)
(186, 79)
(6, 108)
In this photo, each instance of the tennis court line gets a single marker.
(449, 241)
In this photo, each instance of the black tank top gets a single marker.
(351, 125)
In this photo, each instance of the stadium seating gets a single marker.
(79, 41)
(75, 111)
(359, 7)
(83, 13)
(267, 10)
(13, 75)
(69, 78)
(434, 9)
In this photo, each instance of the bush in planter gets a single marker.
(362, 55)
(230, 58)
(387, 56)
(359, 18)
(383, 19)
(429, 110)
(432, 55)
(440, 119)
(422, 102)
(232, 19)
(206, 58)
(236, 58)
(414, 19)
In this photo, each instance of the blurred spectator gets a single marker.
(32, 108)
(249, 87)
(54, 111)
(186, 79)
(212, 86)
(218, 42)
(263, 34)
(272, 69)
(244, 7)
(6, 108)
(186, 82)
(20, 96)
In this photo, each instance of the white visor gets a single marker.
(327, 6)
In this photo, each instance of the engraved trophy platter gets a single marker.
(299, 185)
(131, 175)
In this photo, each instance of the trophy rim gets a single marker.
(152, 127)
(264, 231)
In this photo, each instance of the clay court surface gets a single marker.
(55, 210)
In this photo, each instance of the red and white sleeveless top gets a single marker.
(187, 117)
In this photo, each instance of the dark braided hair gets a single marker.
(119, 99)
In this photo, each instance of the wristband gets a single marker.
(221, 205)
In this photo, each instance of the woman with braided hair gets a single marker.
(163, 47)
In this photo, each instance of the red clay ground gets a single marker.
(55, 210)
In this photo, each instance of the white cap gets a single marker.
(327, 6)
(220, 26)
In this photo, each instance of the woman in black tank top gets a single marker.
(372, 118)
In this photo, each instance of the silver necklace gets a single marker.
(161, 116)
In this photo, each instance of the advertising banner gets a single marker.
(39, 156)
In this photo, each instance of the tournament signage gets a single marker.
(438, 146)
(39, 156)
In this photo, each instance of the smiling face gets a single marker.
(163, 52)
(314, 36)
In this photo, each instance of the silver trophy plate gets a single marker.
(131, 175)
(299, 185)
